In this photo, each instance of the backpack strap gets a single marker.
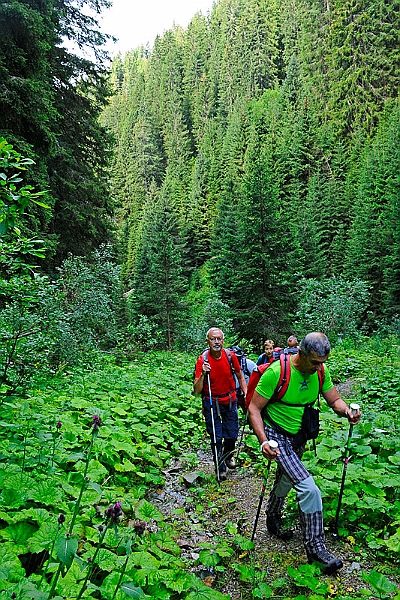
(230, 359)
(284, 377)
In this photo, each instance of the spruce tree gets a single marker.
(158, 283)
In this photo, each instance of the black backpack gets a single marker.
(242, 360)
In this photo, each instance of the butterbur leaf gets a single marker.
(19, 533)
(263, 591)
(11, 569)
(146, 511)
(209, 558)
(66, 549)
(131, 590)
(165, 542)
(393, 543)
(45, 493)
(43, 538)
(12, 498)
(379, 583)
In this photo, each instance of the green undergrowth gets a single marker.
(81, 455)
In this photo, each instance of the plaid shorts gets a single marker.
(289, 459)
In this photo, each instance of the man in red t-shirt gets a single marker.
(214, 371)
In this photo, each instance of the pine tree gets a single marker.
(158, 283)
(374, 247)
(50, 106)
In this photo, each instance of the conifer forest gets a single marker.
(243, 172)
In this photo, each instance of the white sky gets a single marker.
(138, 22)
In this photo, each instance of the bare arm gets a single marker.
(255, 407)
(340, 407)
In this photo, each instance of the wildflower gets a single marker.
(58, 425)
(139, 527)
(96, 422)
(114, 512)
(61, 519)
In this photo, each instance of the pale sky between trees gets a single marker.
(138, 22)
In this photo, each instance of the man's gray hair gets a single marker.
(213, 329)
(315, 342)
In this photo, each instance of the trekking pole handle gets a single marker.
(271, 443)
(354, 408)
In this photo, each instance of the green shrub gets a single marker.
(334, 306)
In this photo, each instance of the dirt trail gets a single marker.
(236, 500)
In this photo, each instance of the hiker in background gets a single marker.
(220, 366)
(292, 345)
(266, 356)
(247, 366)
(285, 424)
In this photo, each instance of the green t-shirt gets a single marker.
(303, 389)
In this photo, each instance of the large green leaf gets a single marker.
(46, 492)
(66, 548)
(19, 533)
(209, 558)
(379, 583)
(10, 568)
(44, 537)
(12, 498)
(146, 511)
(131, 590)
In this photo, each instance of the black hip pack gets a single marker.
(310, 422)
(309, 429)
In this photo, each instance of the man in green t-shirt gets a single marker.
(283, 419)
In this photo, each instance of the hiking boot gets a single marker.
(222, 476)
(230, 462)
(330, 564)
(274, 527)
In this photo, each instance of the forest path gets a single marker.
(200, 512)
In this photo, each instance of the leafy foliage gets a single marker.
(87, 447)
(334, 306)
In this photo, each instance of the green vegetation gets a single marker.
(83, 451)
(250, 161)
(245, 174)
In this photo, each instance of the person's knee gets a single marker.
(283, 488)
(308, 496)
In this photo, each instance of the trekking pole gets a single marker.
(273, 445)
(354, 408)
(213, 430)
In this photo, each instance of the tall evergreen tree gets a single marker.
(158, 283)
(374, 249)
(50, 103)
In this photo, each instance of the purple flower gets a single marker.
(139, 527)
(114, 512)
(96, 422)
(58, 425)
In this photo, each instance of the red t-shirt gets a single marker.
(222, 380)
